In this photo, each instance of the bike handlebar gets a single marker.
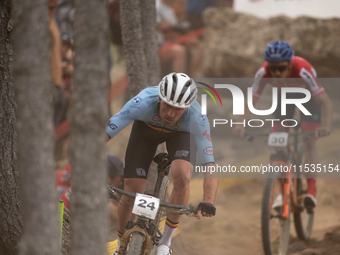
(183, 209)
(305, 135)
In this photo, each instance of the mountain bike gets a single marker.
(283, 193)
(142, 235)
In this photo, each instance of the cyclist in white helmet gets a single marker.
(165, 113)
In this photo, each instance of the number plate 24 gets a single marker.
(146, 206)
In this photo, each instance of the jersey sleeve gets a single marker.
(200, 128)
(259, 83)
(204, 147)
(132, 110)
(308, 74)
(119, 121)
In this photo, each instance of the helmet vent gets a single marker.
(165, 87)
(174, 86)
(191, 95)
(184, 89)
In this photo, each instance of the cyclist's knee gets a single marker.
(181, 183)
(180, 170)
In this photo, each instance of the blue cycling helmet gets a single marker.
(278, 51)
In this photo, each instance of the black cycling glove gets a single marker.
(207, 208)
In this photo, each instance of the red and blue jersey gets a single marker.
(300, 69)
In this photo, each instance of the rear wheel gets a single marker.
(303, 220)
(275, 229)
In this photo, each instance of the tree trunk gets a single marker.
(150, 42)
(130, 21)
(10, 213)
(35, 128)
(138, 22)
(87, 124)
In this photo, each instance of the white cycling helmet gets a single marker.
(178, 90)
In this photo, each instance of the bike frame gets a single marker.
(290, 196)
(147, 227)
(290, 187)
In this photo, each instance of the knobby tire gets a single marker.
(280, 245)
(136, 244)
(161, 194)
(303, 221)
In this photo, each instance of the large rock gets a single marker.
(235, 42)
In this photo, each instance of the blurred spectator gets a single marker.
(171, 24)
(115, 169)
(169, 29)
(56, 70)
(66, 197)
(67, 55)
(195, 10)
(115, 176)
(167, 21)
(63, 179)
(115, 30)
(115, 33)
(58, 101)
(64, 15)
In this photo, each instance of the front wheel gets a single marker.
(136, 244)
(161, 194)
(275, 229)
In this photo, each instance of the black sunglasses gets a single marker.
(281, 69)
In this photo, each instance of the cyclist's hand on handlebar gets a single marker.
(238, 131)
(321, 131)
(206, 210)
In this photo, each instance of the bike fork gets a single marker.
(286, 198)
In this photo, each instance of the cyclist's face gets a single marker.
(279, 69)
(169, 114)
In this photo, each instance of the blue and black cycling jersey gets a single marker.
(144, 107)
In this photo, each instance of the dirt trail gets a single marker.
(236, 228)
